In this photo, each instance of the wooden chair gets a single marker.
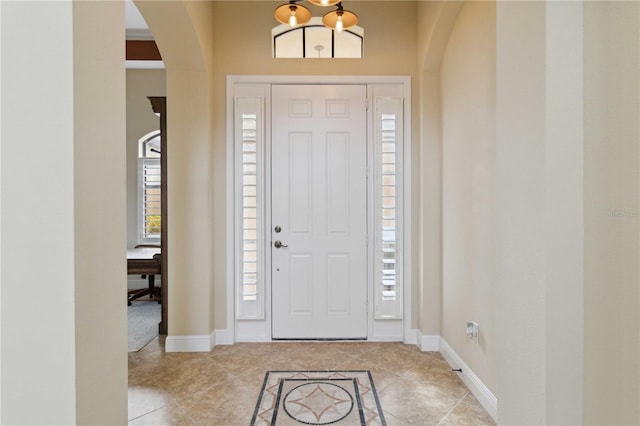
(149, 268)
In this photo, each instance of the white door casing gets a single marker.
(249, 318)
(319, 201)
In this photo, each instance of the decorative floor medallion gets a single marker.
(318, 398)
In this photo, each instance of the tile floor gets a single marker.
(222, 387)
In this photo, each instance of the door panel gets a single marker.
(319, 275)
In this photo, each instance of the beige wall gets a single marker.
(567, 192)
(531, 309)
(611, 183)
(435, 23)
(63, 243)
(468, 187)
(141, 83)
(48, 320)
(524, 216)
(537, 235)
(99, 216)
(386, 52)
(564, 225)
(82, 378)
(178, 28)
(199, 52)
(429, 282)
(526, 172)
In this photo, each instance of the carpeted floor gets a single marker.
(143, 318)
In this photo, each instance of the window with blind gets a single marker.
(249, 208)
(388, 207)
(150, 221)
(249, 144)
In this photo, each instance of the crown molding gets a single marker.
(138, 34)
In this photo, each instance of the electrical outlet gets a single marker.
(472, 330)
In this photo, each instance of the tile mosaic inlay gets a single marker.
(318, 398)
(317, 403)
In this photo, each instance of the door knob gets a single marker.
(279, 244)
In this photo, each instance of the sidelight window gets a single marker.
(387, 207)
(249, 145)
(249, 208)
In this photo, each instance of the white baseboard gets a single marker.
(222, 337)
(189, 343)
(429, 343)
(410, 338)
(198, 343)
(473, 382)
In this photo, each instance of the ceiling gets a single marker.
(136, 29)
(134, 23)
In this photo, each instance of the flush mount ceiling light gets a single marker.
(339, 19)
(293, 14)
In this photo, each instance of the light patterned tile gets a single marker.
(146, 396)
(437, 373)
(221, 387)
(415, 404)
(228, 404)
(438, 355)
(244, 350)
(393, 420)
(381, 376)
(170, 415)
(351, 349)
(192, 378)
(471, 400)
(396, 357)
(464, 414)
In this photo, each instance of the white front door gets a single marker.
(319, 212)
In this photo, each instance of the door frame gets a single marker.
(259, 329)
(159, 106)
